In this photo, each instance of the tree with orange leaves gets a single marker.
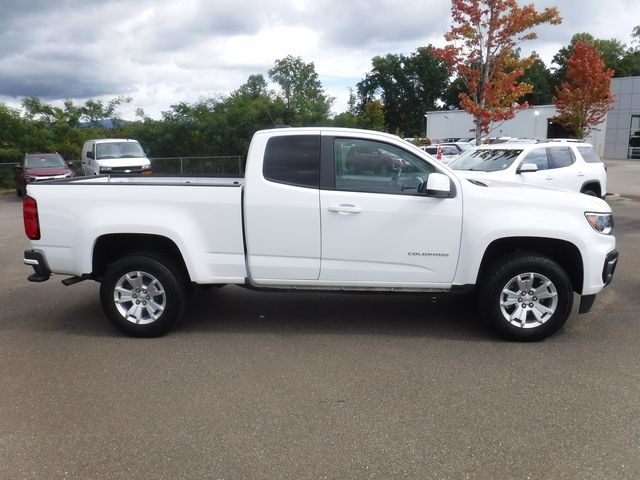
(481, 52)
(583, 100)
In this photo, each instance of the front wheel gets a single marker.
(526, 297)
(143, 296)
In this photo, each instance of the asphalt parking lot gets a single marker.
(264, 385)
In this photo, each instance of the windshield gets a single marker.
(44, 161)
(119, 150)
(485, 160)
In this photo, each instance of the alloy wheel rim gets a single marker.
(528, 300)
(139, 297)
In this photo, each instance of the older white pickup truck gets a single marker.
(324, 209)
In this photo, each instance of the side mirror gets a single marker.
(89, 154)
(528, 167)
(18, 166)
(147, 152)
(438, 186)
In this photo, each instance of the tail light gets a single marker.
(30, 217)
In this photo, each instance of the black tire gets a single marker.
(502, 284)
(19, 191)
(591, 193)
(148, 275)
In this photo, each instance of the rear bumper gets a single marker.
(38, 261)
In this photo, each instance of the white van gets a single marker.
(114, 155)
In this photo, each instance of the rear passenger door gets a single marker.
(555, 168)
(561, 167)
(282, 209)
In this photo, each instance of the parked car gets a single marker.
(447, 152)
(114, 155)
(568, 165)
(37, 167)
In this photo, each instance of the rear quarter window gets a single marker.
(589, 154)
(293, 160)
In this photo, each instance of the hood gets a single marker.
(487, 185)
(47, 172)
(480, 174)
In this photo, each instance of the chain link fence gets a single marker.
(219, 165)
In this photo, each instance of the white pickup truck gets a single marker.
(324, 209)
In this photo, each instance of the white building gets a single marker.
(616, 138)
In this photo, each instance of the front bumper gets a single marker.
(610, 262)
(609, 267)
(38, 261)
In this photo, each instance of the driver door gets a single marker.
(380, 229)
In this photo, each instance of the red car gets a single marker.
(38, 167)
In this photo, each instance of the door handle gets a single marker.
(549, 177)
(345, 209)
(580, 174)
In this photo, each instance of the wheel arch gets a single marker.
(564, 253)
(111, 247)
(594, 186)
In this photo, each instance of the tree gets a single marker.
(482, 40)
(304, 99)
(540, 77)
(612, 52)
(406, 86)
(584, 99)
(95, 111)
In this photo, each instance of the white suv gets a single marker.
(569, 165)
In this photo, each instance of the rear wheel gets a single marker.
(526, 297)
(143, 296)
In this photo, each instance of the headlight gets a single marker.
(601, 222)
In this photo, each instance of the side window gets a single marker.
(368, 166)
(293, 160)
(538, 157)
(560, 157)
(589, 154)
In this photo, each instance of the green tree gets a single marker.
(406, 87)
(540, 77)
(305, 102)
(95, 111)
(624, 61)
(372, 117)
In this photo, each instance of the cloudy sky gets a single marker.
(161, 52)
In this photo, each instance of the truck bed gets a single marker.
(158, 179)
(205, 223)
